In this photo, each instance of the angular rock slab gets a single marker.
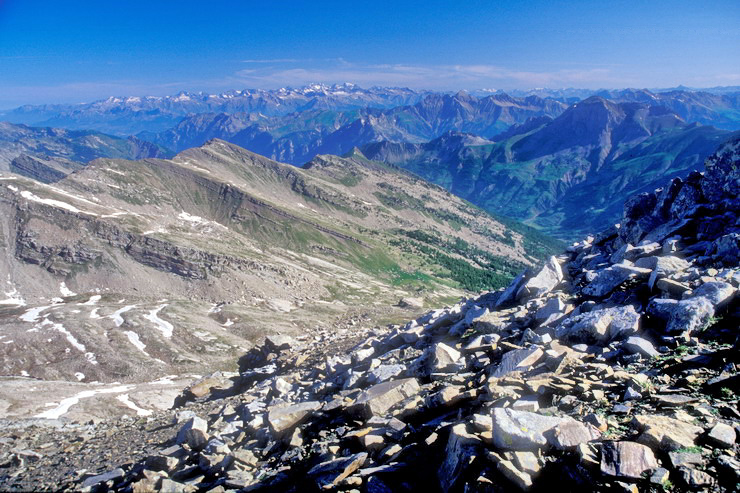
(194, 432)
(461, 447)
(607, 280)
(664, 433)
(719, 293)
(328, 474)
(522, 430)
(600, 326)
(569, 434)
(722, 436)
(283, 419)
(626, 459)
(444, 359)
(640, 345)
(509, 295)
(551, 311)
(688, 315)
(376, 400)
(662, 267)
(517, 360)
(543, 282)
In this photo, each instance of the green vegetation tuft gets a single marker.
(470, 267)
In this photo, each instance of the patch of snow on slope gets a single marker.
(164, 326)
(128, 403)
(70, 338)
(116, 316)
(63, 407)
(56, 203)
(93, 300)
(121, 213)
(90, 357)
(66, 291)
(33, 314)
(184, 216)
(193, 219)
(133, 338)
(71, 195)
(14, 297)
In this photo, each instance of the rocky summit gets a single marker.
(612, 367)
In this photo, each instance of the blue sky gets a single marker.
(73, 51)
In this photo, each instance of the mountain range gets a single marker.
(567, 175)
(128, 115)
(523, 157)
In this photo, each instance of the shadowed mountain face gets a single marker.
(153, 267)
(568, 175)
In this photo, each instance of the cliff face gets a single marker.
(611, 366)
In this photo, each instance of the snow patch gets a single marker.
(14, 298)
(93, 300)
(133, 338)
(128, 403)
(164, 326)
(70, 338)
(63, 407)
(33, 314)
(56, 203)
(116, 316)
(184, 216)
(66, 292)
(204, 336)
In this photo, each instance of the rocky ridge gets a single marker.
(610, 368)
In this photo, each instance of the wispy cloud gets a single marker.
(278, 72)
(426, 76)
(273, 60)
